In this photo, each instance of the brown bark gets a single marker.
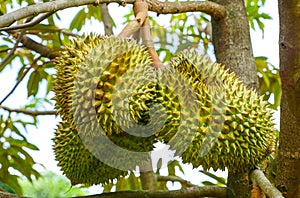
(9, 195)
(204, 191)
(29, 112)
(107, 20)
(262, 185)
(231, 39)
(288, 164)
(147, 176)
(39, 48)
(215, 10)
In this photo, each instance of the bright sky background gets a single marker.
(42, 135)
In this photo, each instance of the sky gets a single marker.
(42, 135)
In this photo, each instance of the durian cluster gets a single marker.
(105, 86)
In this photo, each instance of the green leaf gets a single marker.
(221, 180)
(12, 182)
(107, 187)
(134, 182)
(22, 143)
(171, 167)
(269, 80)
(6, 188)
(43, 28)
(78, 20)
(33, 83)
(208, 183)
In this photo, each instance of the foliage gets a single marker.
(50, 185)
(185, 30)
(254, 14)
(269, 81)
(15, 159)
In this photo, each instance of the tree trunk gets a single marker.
(288, 164)
(147, 176)
(231, 39)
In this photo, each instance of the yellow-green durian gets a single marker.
(94, 77)
(106, 86)
(232, 126)
(77, 162)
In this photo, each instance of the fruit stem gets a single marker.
(140, 8)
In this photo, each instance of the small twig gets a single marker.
(29, 24)
(106, 18)
(43, 50)
(258, 178)
(148, 42)
(68, 33)
(20, 80)
(28, 112)
(140, 9)
(174, 179)
(12, 51)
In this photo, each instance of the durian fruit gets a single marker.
(232, 126)
(237, 121)
(94, 76)
(106, 87)
(77, 162)
(67, 66)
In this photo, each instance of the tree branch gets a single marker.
(148, 42)
(215, 10)
(147, 176)
(29, 24)
(12, 51)
(106, 18)
(258, 178)
(20, 80)
(43, 50)
(29, 112)
(9, 195)
(203, 191)
(140, 9)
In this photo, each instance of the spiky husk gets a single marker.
(77, 162)
(233, 127)
(92, 72)
(197, 107)
(239, 118)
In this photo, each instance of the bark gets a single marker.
(107, 20)
(231, 39)
(288, 164)
(215, 10)
(29, 112)
(258, 178)
(148, 180)
(147, 176)
(205, 191)
(9, 195)
(39, 48)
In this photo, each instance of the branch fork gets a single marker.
(142, 23)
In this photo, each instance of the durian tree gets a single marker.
(138, 92)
